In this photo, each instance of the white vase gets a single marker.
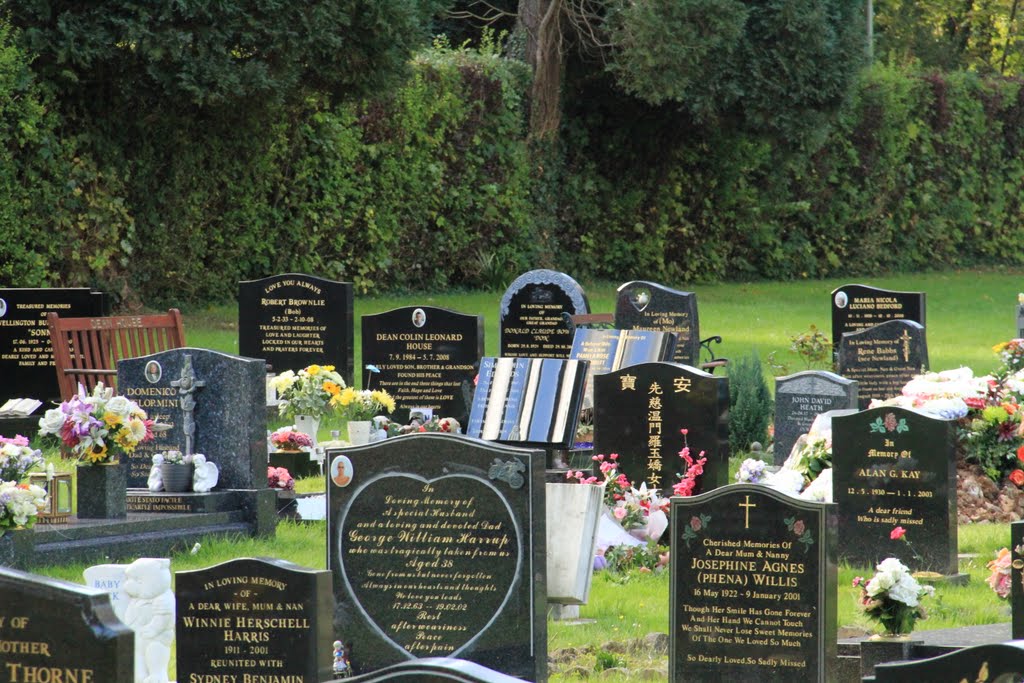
(573, 515)
(359, 432)
(308, 425)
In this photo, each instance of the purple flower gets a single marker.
(600, 563)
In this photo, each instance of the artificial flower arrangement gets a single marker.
(288, 439)
(311, 391)
(17, 458)
(892, 597)
(363, 405)
(443, 425)
(172, 457)
(280, 478)
(97, 427)
(1001, 568)
(20, 504)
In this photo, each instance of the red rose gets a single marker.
(696, 525)
(898, 533)
(1020, 453)
(1017, 477)
(890, 422)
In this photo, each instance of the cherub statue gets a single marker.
(150, 613)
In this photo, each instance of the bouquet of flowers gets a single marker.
(1001, 567)
(356, 406)
(16, 458)
(19, 504)
(280, 478)
(1011, 354)
(893, 597)
(97, 427)
(172, 458)
(312, 391)
(814, 457)
(287, 439)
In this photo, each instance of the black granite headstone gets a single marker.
(528, 401)
(295, 320)
(993, 663)
(883, 358)
(427, 358)
(26, 356)
(801, 397)
(896, 467)
(532, 308)
(230, 412)
(858, 307)
(253, 619)
(610, 350)
(649, 306)
(1017, 580)
(53, 630)
(437, 546)
(639, 412)
(753, 587)
(435, 670)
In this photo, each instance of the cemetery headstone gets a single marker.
(437, 549)
(532, 320)
(640, 410)
(896, 467)
(26, 356)
(54, 630)
(223, 407)
(1020, 316)
(883, 358)
(427, 358)
(643, 305)
(435, 670)
(801, 397)
(253, 619)
(609, 350)
(295, 320)
(528, 401)
(858, 307)
(753, 587)
(996, 662)
(1017, 580)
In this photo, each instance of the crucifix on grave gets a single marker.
(187, 385)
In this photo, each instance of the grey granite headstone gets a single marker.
(53, 630)
(532, 321)
(642, 305)
(801, 397)
(883, 358)
(437, 546)
(230, 412)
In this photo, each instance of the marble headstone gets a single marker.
(801, 397)
(896, 467)
(230, 415)
(437, 549)
(294, 320)
(533, 309)
(883, 358)
(641, 305)
(427, 358)
(858, 307)
(753, 587)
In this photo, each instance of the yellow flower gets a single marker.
(124, 439)
(328, 368)
(331, 388)
(999, 347)
(345, 397)
(384, 399)
(98, 453)
(112, 420)
(313, 370)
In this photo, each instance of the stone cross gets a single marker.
(187, 385)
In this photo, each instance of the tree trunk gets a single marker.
(541, 22)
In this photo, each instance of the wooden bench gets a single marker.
(86, 350)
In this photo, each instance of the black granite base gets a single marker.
(26, 426)
(298, 463)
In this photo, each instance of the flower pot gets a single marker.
(176, 477)
(102, 491)
(359, 432)
(882, 648)
(308, 425)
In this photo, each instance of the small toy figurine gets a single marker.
(342, 669)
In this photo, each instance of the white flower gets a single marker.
(52, 421)
(119, 405)
(283, 382)
(906, 590)
(787, 481)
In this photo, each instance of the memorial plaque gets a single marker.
(858, 307)
(229, 412)
(753, 587)
(609, 350)
(649, 306)
(883, 358)
(26, 355)
(53, 630)
(989, 663)
(253, 620)
(895, 467)
(534, 401)
(437, 548)
(533, 323)
(801, 397)
(639, 412)
(427, 358)
(295, 320)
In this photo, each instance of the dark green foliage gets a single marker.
(750, 403)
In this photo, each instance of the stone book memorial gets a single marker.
(643, 305)
(610, 350)
(640, 410)
(437, 549)
(752, 588)
(801, 397)
(528, 401)
(253, 619)
(294, 320)
(883, 358)
(533, 311)
(427, 359)
(858, 307)
(896, 467)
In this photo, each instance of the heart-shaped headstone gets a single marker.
(430, 563)
(640, 297)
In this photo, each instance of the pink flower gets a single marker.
(799, 527)
(897, 533)
(614, 456)
(695, 523)
(569, 474)
(684, 432)
(619, 512)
